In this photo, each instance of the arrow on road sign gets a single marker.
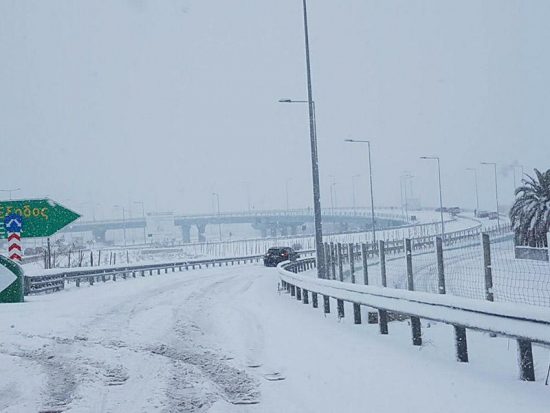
(6, 278)
(13, 223)
(41, 217)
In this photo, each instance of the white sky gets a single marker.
(168, 101)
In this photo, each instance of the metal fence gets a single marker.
(54, 281)
(464, 262)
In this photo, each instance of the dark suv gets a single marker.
(275, 255)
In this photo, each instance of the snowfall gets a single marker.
(227, 340)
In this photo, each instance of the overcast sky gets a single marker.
(111, 102)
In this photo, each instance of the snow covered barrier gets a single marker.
(527, 324)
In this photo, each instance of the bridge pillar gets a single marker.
(201, 228)
(99, 234)
(186, 233)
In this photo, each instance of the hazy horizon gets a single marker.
(109, 103)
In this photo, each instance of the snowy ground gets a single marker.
(219, 339)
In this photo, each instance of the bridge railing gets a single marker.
(526, 324)
(345, 212)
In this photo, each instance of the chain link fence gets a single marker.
(467, 267)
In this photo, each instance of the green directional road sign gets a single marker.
(11, 281)
(41, 217)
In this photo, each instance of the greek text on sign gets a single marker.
(41, 217)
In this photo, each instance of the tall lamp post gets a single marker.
(219, 223)
(404, 197)
(319, 248)
(474, 170)
(440, 191)
(496, 188)
(9, 191)
(373, 223)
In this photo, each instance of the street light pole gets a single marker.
(474, 170)
(321, 273)
(373, 220)
(219, 223)
(496, 188)
(404, 196)
(440, 191)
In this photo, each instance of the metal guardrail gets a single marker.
(526, 324)
(56, 281)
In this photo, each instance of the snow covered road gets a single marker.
(224, 340)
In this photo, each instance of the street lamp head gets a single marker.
(357, 141)
(285, 100)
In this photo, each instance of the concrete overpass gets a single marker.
(269, 223)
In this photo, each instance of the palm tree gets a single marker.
(530, 214)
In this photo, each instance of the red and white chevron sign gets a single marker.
(15, 251)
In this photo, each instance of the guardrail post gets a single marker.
(525, 359)
(383, 321)
(298, 293)
(292, 290)
(340, 307)
(314, 301)
(326, 302)
(487, 266)
(305, 296)
(415, 321)
(461, 344)
(340, 263)
(91, 280)
(351, 262)
(440, 267)
(114, 276)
